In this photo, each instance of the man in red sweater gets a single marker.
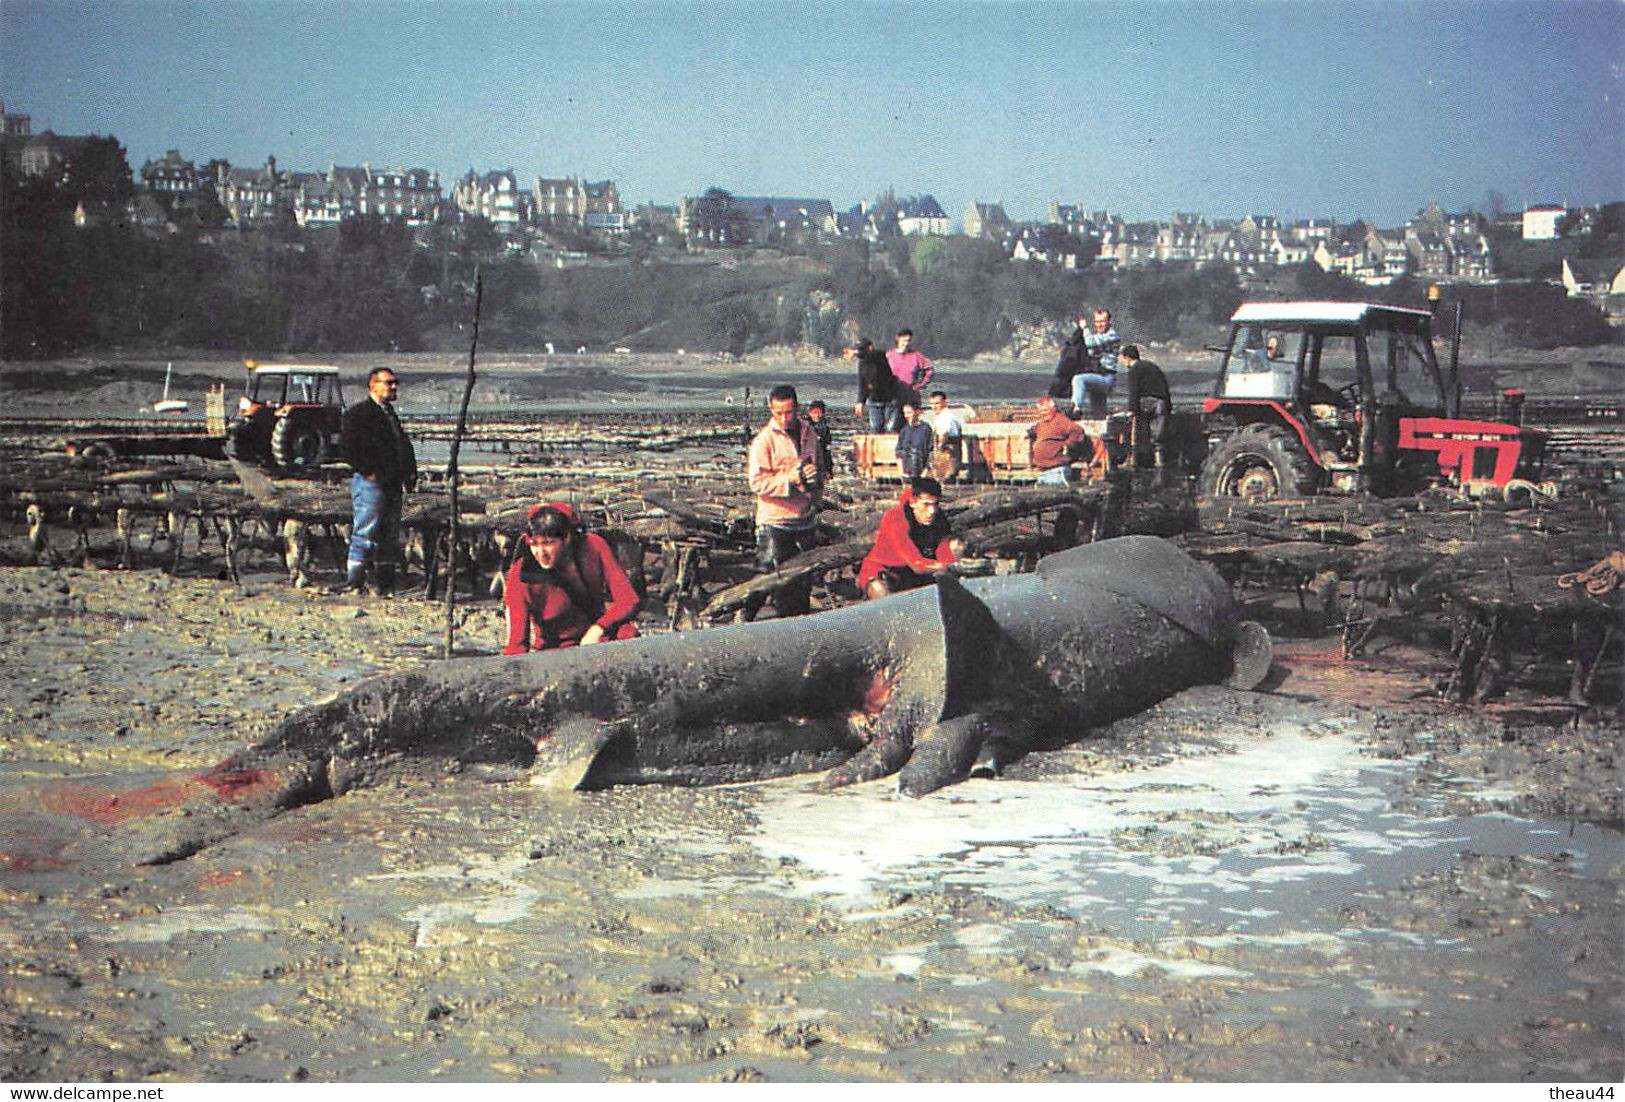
(566, 589)
(913, 545)
(1054, 438)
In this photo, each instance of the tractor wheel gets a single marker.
(296, 444)
(1259, 462)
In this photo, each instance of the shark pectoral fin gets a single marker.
(564, 758)
(944, 754)
(1251, 654)
(881, 758)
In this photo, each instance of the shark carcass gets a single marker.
(929, 685)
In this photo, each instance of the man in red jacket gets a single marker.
(566, 589)
(913, 545)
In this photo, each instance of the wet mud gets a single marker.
(1341, 879)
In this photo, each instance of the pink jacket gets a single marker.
(775, 476)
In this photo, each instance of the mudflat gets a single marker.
(1339, 878)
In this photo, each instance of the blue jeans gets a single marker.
(883, 416)
(1096, 386)
(1055, 476)
(375, 532)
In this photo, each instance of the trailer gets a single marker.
(994, 451)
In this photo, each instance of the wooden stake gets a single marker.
(451, 474)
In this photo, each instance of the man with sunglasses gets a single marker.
(380, 453)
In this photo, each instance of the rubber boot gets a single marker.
(384, 580)
(355, 578)
(990, 762)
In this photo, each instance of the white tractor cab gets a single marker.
(289, 416)
(1347, 397)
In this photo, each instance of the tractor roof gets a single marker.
(289, 369)
(1330, 313)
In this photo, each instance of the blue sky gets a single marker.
(1298, 107)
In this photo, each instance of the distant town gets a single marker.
(1434, 245)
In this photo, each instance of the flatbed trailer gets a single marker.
(995, 451)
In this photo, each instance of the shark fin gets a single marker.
(943, 755)
(566, 756)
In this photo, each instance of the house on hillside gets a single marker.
(1263, 229)
(1287, 251)
(1431, 254)
(1471, 258)
(988, 221)
(1594, 277)
(172, 176)
(144, 212)
(1342, 257)
(592, 205)
(1241, 252)
(495, 196)
(1046, 244)
(1311, 230)
(774, 218)
(1434, 218)
(1540, 222)
(256, 195)
(45, 153)
(1181, 238)
(410, 195)
(854, 222)
(1128, 244)
(1073, 219)
(1386, 256)
(15, 130)
(921, 216)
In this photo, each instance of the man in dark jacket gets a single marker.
(916, 440)
(1150, 404)
(385, 465)
(877, 387)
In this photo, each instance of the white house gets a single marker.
(1594, 276)
(1540, 223)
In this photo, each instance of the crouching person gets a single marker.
(565, 588)
(913, 545)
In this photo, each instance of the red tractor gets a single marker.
(1348, 397)
(289, 417)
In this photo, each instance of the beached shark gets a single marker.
(929, 685)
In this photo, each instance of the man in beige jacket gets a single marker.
(783, 474)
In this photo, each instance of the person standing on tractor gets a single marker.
(1102, 344)
(385, 466)
(1149, 405)
(566, 588)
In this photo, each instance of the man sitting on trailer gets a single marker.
(1055, 439)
